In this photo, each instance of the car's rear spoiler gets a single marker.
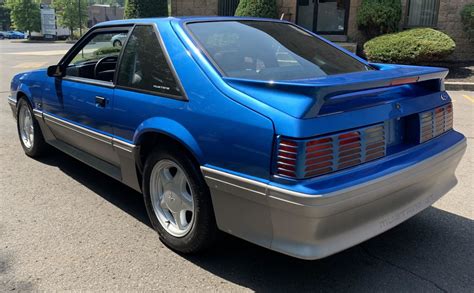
(305, 98)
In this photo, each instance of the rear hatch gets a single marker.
(309, 98)
(340, 121)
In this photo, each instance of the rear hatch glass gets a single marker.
(270, 51)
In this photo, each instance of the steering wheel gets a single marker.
(101, 61)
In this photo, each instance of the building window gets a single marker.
(227, 7)
(422, 13)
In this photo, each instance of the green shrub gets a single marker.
(378, 17)
(257, 8)
(106, 51)
(146, 8)
(409, 47)
(467, 19)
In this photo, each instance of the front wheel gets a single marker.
(117, 43)
(178, 201)
(29, 130)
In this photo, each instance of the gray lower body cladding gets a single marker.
(313, 227)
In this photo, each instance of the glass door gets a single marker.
(324, 16)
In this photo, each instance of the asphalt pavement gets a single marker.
(65, 226)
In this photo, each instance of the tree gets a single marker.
(71, 14)
(25, 14)
(257, 8)
(146, 8)
(5, 21)
(378, 17)
(467, 19)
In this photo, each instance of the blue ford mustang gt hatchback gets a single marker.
(254, 127)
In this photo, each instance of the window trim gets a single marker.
(199, 46)
(119, 60)
(182, 97)
(90, 81)
(407, 13)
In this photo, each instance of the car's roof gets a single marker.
(179, 19)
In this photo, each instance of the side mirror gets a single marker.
(55, 71)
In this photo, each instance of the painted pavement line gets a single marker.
(30, 65)
(40, 53)
(468, 98)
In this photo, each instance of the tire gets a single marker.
(202, 229)
(117, 43)
(34, 145)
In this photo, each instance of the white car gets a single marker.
(118, 40)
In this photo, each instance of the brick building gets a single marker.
(336, 19)
(100, 13)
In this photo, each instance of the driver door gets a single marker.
(78, 107)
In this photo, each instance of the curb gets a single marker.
(458, 86)
(42, 42)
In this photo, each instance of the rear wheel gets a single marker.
(178, 201)
(117, 43)
(29, 130)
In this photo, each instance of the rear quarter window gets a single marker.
(144, 66)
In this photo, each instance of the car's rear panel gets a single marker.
(310, 157)
(348, 120)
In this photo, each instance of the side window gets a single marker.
(144, 65)
(97, 59)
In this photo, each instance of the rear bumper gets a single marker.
(312, 226)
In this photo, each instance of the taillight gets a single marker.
(286, 158)
(301, 159)
(319, 156)
(435, 122)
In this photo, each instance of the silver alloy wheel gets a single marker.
(26, 127)
(172, 198)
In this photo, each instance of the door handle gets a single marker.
(100, 101)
